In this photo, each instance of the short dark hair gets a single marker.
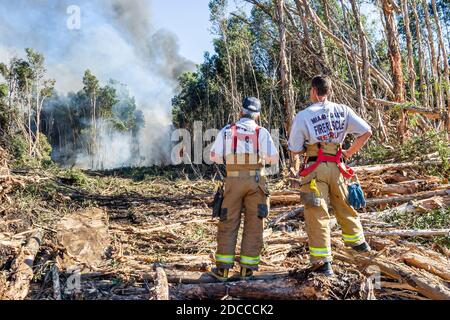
(323, 85)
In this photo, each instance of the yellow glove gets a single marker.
(313, 187)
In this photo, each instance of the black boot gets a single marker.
(246, 273)
(220, 274)
(362, 248)
(324, 269)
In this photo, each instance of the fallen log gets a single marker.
(427, 287)
(280, 289)
(407, 198)
(161, 285)
(376, 169)
(23, 268)
(191, 277)
(408, 233)
(402, 188)
(375, 202)
(424, 263)
(56, 283)
(420, 206)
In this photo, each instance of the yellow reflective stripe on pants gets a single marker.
(224, 258)
(250, 260)
(353, 238)
(320, 252)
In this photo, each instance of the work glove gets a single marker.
(356, 196)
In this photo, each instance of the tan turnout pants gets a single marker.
(334, 191)
(242, 192)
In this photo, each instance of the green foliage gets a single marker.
(414, 149)
(4, 112)
(45, 150)
(107, 98)
(90, 82)
(76, 177)
(20, 152)
(437, 219)
(3, 91)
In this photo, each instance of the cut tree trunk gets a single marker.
(426, 286)
(281, 289)
(23, 268)
(56, 283)
(161, 285)
(424, 263)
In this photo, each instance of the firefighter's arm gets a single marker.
(217, 149)
(296, 144)
(359, 143)
(295, 162)
(268, 148)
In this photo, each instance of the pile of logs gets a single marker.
(165, 258)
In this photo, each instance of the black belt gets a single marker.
(313, 159)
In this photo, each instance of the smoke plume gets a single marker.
(117, 40)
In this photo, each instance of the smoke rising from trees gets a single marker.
(116, 41)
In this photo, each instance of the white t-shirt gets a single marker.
(246, 129)
(325, 122)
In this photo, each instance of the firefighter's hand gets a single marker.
(346, 155)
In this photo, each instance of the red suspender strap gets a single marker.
(234, 136)
(258, 129)
(346, 171)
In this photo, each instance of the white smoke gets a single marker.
(116, 41)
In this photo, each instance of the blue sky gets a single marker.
(104, 43)
(189, 20)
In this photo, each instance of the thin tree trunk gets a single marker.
(411, 69)
(357, 74)
(304, 23)
(364, 50)
(230, 70)
(284, 69)
(423, 85)
(434, 64)
(445, 62)
(396, 62)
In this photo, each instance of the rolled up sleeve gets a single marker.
(297, 136)
(268, 148)
(216, 153)
(357, 125)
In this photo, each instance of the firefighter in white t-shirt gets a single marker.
(318, 132)
(244, 147)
